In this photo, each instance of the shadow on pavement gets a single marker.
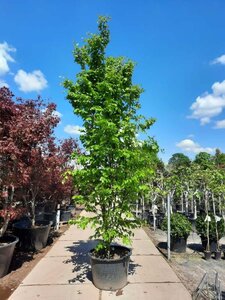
(195, 247)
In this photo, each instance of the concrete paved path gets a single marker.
(64, 273)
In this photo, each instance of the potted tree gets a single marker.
(114, 164)
(180, 228)
(9, 180)
(210, 230)
(32, 139)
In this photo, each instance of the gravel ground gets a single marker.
(191, 266)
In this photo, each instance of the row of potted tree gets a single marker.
(32, 167)
(196, 189)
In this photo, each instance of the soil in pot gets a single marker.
(207, 255)
(7, 246)
(178, 244)
(32, 238)
(110, 273)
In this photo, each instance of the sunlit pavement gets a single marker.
(64, 273)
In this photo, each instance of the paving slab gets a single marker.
(147, 291)
(60, 270)
(140, 234)
(144, 247)
(56, 292)
(76, 234)
(150, 269)
(71, 248)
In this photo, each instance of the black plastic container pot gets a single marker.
(32, 238)
(178, 244)
(7, 246)
(50, 217)
(217, 254)
(110, 274)
(39, 217)
(212, 244)
(207, 255)
(179, 207)
(65, 215)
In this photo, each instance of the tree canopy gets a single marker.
(116, 163)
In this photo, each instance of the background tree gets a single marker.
(32, 162)
(204, 160)
(10, 169)
(179, 160)
(219, 159)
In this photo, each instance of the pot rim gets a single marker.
(29, 227)
(108, 259)
(10, 243)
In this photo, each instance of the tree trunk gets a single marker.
(192, 204)
(186, 202)
(153, 212)
(182, 202)
(220, 206)
(195, 208)
(5, 225)
(136, 208)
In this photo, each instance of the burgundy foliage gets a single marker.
(32, 164)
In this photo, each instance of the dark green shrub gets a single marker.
(179, 226)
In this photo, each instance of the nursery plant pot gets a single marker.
(50, 217)
(178, 207)
(39, 216)
(217, 254)
(7, 246)
(178, 244)
(110, 274)
(212, 244)
(207, 254)
(72, 209)
(145, 215)
(65, 215)
(32, 238)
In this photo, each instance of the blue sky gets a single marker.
(179, 48)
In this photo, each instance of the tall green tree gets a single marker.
(113, 168)
(204, 160)
(219, 159)
(179, 160)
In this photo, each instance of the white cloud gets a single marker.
(73, 129)
(58, 114)
(208, 105)
(189, 145)
(219, 60)
(3, 83)
(30, 82)
(220, 124)
(219, 88)
(5, 57)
